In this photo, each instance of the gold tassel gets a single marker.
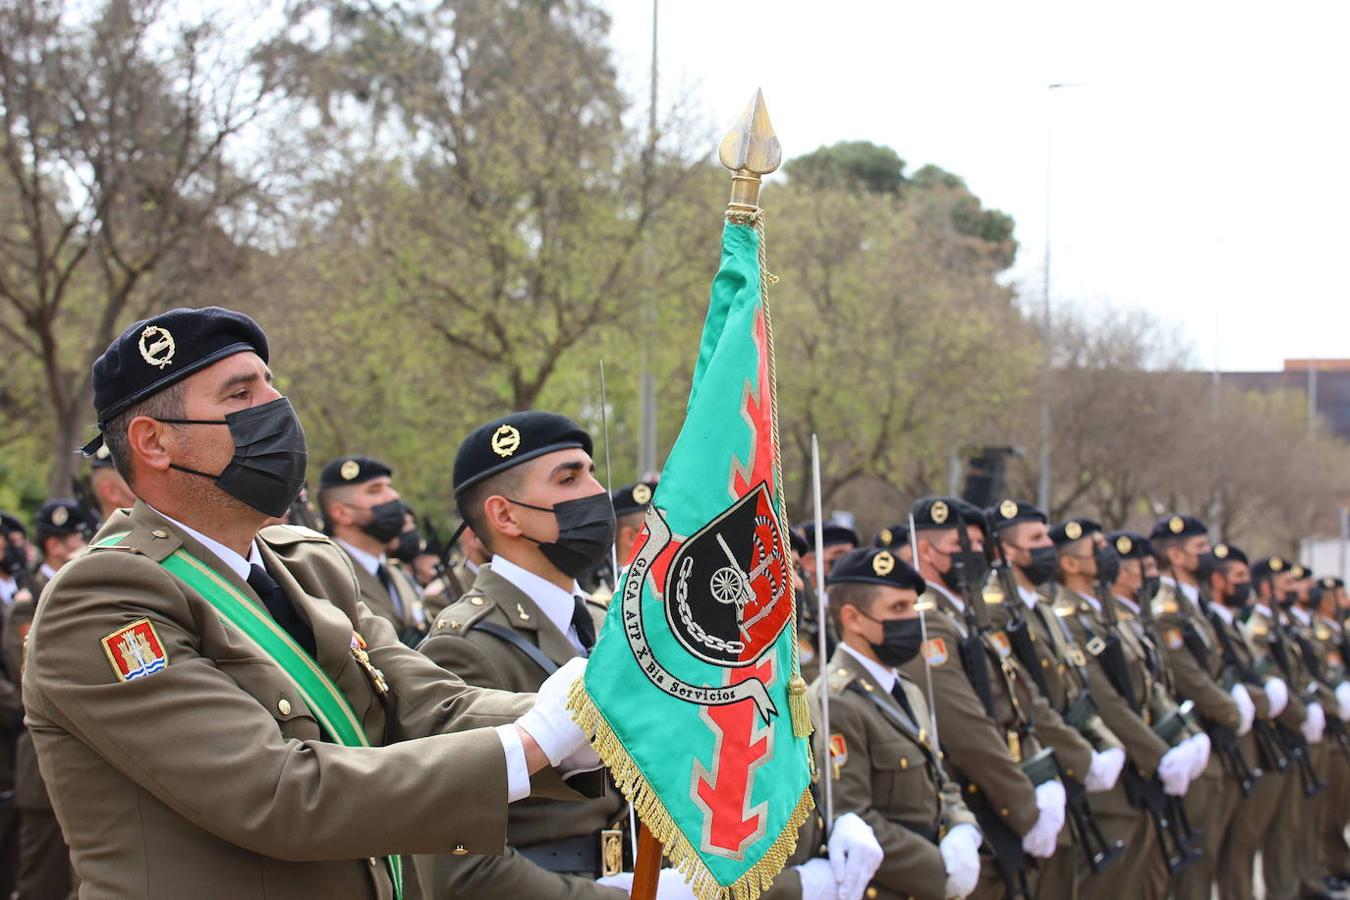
(653, 813)
(797, 706)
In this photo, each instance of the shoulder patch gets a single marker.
(1165, 606)
(1173, 639)
(135, 651)
(1258, 626)
(934, 652)
(1001, 643)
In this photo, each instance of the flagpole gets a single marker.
(822, 632)
(749, 150)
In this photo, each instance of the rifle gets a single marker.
(1223, 740)
(1018, 630)
(302, 512)
(1269, 746)
(1179, 844)
(1294, 742)
(971, 646)
(1335, 727)
(442, 567)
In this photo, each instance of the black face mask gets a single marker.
(410, 544)
(268, 468)
(1043, 566)
(1205, 565)
(1148, 589)
(900, 640)
(386, 521)
(585, 532)
(1241, 598)
(977, 569)
(13, 560)
(1108, 564)
(1290, 598)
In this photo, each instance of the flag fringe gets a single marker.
(653, 813)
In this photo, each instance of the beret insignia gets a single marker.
(1073, 531)
(1176, 525)
(505, 441)
(1276, 564)
(939, 512)
(886, 536)
(883, 564)
(60, 516)
(156, 346)
(641, 493)
(350, 469)
(1124, 544)
(1221, 551)
(1007, 509)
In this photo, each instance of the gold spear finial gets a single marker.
(750, 150)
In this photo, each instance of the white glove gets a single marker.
(1278, 692)
(1200, 756)
(1314, 723)
(817, 880)
(1174, 769)
(549, 722)
(1343, 700)
(960, 851)
(1104, 770)
(854, 855)
(1040, 840)
(1246, 708)
(671, 885)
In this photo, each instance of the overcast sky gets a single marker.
(1201, 170)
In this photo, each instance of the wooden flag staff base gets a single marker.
(647, 866)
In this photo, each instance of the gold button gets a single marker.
(374, 861)
(1070, 772)
(476, 601)
(459, 850)
(160, 533)
(871, 893)
(284, 706)
(1003, 811)
(904, 763)
(1045, 663)
(973, 788)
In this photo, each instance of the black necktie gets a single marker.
(898, 692)
(581, 621)
(387, 580)
(269, 592)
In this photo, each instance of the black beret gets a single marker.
(352, 470)
(972, 514)
(938, 512)
(1226, 553)
(875, 565)
(632, 498)
(1073, 529)
(1011, 512)
(57, 518)
(1271, 565)
(155, 353)
(10, 523)
(1130, 544)
(832, 534)
(798, 542)
(892, 537)
(1331, 582)
(511, 440)
(1300, 571)
(1178, 527)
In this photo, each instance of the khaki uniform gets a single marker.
(411, 623)
(984, 754)
(1061, 662)
(1142, 865)
(210, 777)
(1314, 812)
(44, 869)
(1213, 797)
(886, 771)
(537, 829)
(1335, 851)
(11, 721)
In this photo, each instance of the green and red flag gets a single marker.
(692, 693)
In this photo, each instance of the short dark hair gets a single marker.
(470, 502)
(1160, 547)
(166, 404)
(851, 593)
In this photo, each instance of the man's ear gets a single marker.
(150, 443)
(500, 516)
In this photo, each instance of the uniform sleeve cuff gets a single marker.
(517, 770)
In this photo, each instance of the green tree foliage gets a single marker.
(850, 165)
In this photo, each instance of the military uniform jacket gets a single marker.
(1194, 679)
(1311, 639)
(486, 660)
(29, 791)
(1132, 727)
(974, 745)
(377, 599)
(1258, 633)
(209, 777)
(887, 772)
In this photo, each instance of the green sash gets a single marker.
(324, 699)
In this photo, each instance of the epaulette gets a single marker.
(925, 604)
(459, 617)
(1065, 605)
(284, 535)
(993, 594)
(840, 678)
(1258, 626)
